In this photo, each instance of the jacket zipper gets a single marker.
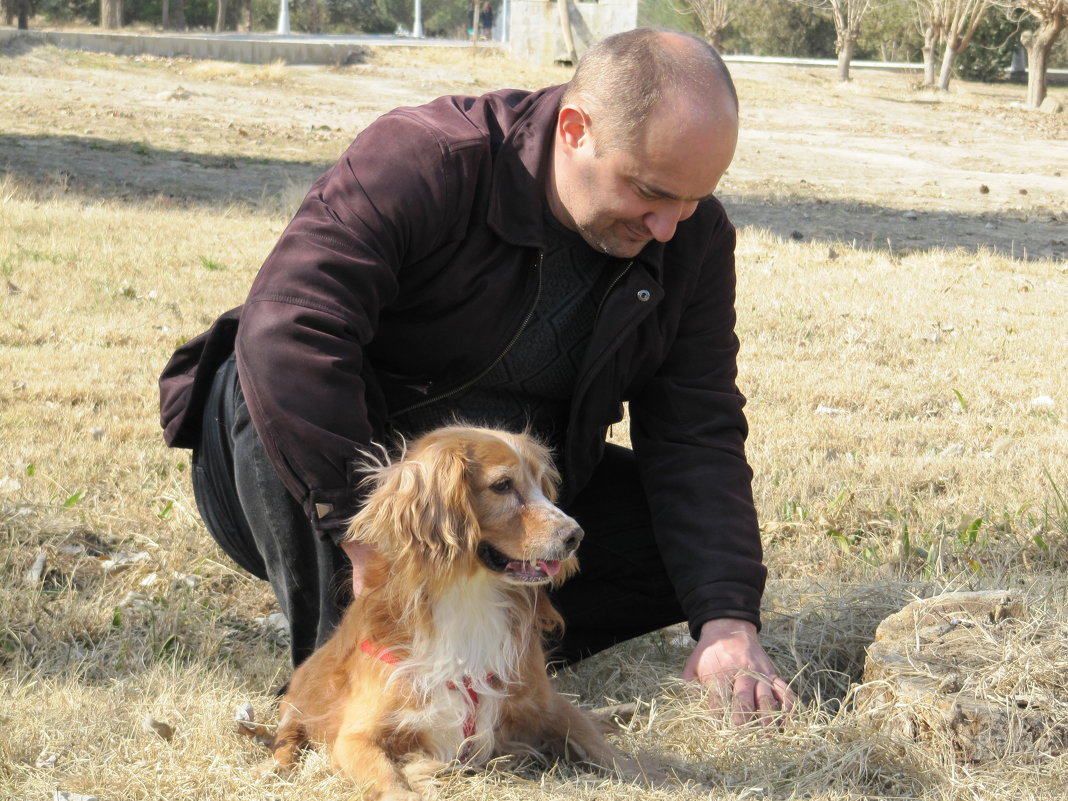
(611, 286)
(583, 382)
(500, 356)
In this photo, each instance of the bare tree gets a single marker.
(176, 18)
(714, 16)
(952, 22)
(847, 15)
(111, 14)
(931, 21)
(1052, 16)
(565, 29)
(962, 18)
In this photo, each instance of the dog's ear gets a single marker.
(421, 505)
(540, 456)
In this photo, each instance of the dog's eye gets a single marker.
(502, 485)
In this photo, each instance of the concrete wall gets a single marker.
(248, 48)
(534, 26)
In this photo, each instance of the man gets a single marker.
(517, 259)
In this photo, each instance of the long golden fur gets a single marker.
(440, 658)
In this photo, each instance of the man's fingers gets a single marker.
(769, 705)
(760, 698)
(786, 696)
(744, 707)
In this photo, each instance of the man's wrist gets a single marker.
(720, 627)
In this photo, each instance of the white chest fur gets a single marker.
(457, 669)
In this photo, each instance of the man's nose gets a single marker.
(663, 221)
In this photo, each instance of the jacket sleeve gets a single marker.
(688, 432)
(316, 302)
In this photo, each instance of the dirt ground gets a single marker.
(877, 161)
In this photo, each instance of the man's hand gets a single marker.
(358, 553)
(729, 660)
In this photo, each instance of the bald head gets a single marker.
(623, 78)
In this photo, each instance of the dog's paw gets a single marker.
(645, 770)
(392, 795)
(270, 768)
(425, 776)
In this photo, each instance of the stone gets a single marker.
(929, 679)
(1051, 106)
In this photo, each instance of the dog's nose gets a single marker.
(571, 538)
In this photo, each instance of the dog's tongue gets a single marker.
(547, 567)
(550, 566)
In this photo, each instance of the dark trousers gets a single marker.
(621, 591)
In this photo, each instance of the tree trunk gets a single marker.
(220, 16)
(111, 14)
(1038, 59)
(948, 60)
(714, 37)
(24, 14)
(165, 20)
(847, 47)
(930, 45)
(178, 15)
(565, 29)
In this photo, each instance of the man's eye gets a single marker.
(502, 485)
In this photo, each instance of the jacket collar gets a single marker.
(521, 175)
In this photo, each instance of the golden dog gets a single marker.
(440, 658)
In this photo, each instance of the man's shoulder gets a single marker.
(492, 115)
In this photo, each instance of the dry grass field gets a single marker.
(903, 304)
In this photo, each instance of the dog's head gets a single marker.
(471, 498)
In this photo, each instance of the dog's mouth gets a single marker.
(517, 569)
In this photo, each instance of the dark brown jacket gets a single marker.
(411, 265)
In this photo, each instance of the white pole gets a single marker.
(417, 24)
(283, 18)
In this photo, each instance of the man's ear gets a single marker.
(573, 126)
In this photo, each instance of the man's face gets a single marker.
(621, 198)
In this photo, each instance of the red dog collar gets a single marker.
(386, 655)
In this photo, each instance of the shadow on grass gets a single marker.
(102, 169)
(871, 227)
(91, 169)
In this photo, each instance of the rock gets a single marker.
(822, 409)
(122, 560)
(1051, 106)
(911, 215)
(178, 93)
(245, 713)
(245, 717)
(1043, 403)
(930, 678)
(164, 730)
(46, 760)
(36, 571)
